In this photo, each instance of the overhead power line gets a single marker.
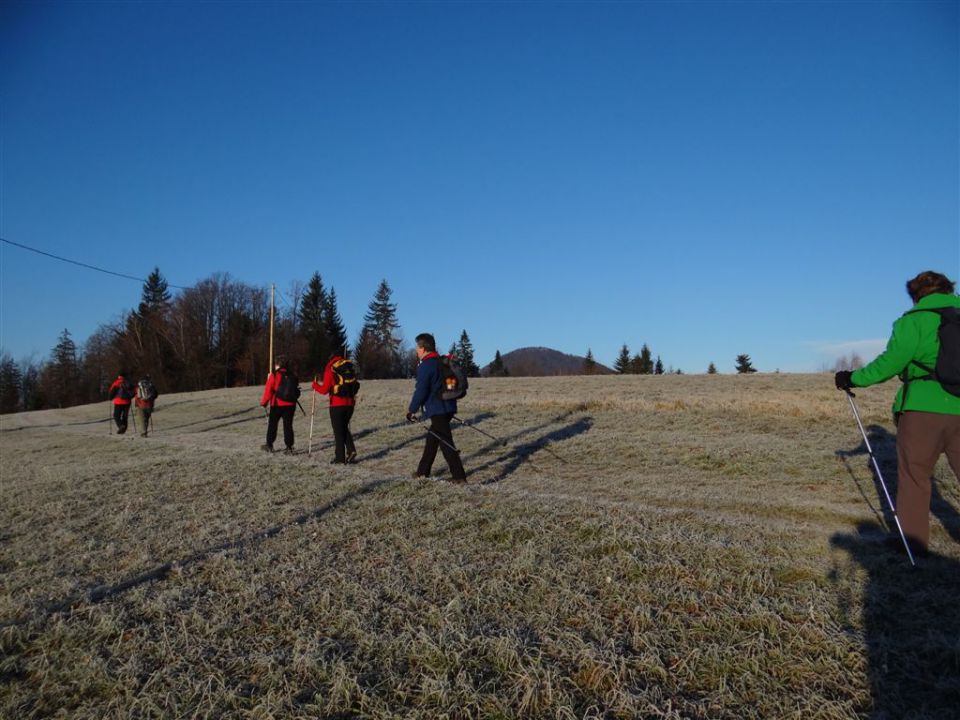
(85, 265)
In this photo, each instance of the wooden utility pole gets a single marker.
(272, 293)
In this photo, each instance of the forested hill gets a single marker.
(540, 361)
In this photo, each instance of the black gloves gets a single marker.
(411, 417)
(842, 379)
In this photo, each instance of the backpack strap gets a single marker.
(931, 372)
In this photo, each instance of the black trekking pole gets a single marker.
(438, 438)
(504, 442)
(301, 408)
(876, 466)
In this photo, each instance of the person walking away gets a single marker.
(146, 396)
(121, 393)
(340, 383)
(280, 393)
(926, 412)
(426, 396)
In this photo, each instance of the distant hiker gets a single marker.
(427, 395)
(280, 393)
(924, 350)
(146, 395)
(340, 383)
(121, 393)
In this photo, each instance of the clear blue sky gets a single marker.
(711, 178)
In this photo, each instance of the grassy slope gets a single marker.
(704, 552)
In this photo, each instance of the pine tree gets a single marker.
(465, 356)
(10, 385)
(336, 331)
(589, 364)
(635, 364)
(63, 373)
(155, 298)
(645, 366)
(744, 366)
(497, 368)
(379, 346)
(658, 367)
(312, 316)
(711, 369)
(622, 364)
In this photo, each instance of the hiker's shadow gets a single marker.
(884, 444)
(412, 439)
(519, 454)
(911, 626)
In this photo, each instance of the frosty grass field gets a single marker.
(711, 548)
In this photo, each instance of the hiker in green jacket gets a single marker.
(926, 414)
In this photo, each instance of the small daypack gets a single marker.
(146, 390)
(345, 383)
(125, 391)
(454, 380)
(289, 388)
(946, 371)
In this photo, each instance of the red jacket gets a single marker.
(270, 390)
(329, 380)
(117, 400)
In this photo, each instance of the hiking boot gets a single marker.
(351, 458)
(458, 481)
(267, 447)
(418, 476)
(143, 434)
(337, 462)
(289, 451)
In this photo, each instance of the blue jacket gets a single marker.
(427, 393)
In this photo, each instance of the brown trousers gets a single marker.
(921, 437)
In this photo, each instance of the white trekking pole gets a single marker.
(876, 466)
(313, 410)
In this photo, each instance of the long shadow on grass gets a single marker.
(417, 434)
(884, 444)
(911, 627)
(521, 453)
(216, 417)
(99, 593)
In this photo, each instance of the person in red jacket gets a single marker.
(121, 393)
(342, 391)
(280, 393)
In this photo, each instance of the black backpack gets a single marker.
(124, 391)
(289, 388)
(946, 371)
(454, 383)
(345, 383)
(146, 390)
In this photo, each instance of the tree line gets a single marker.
(214, 334)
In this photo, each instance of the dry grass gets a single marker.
(641, 547)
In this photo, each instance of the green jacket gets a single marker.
(914, 338)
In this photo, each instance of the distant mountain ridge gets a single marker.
(542, 361)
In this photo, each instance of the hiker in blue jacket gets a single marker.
(426, 396)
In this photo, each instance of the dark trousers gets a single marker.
(440, 427)
(343, 441)
(121, 414)
(277, 412)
